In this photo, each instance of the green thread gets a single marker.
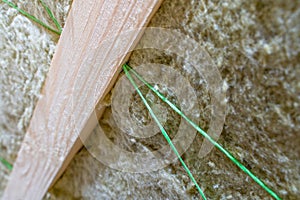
(164, 132)
(58, 26)
(33, 18)
(6, 163)
(203, 133)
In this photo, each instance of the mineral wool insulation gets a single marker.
(254, 44)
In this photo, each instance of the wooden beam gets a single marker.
(84, 68)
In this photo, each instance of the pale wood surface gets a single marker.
(82, 71)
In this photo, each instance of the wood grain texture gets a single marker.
(84, 68)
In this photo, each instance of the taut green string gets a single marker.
(163, 132)
(58, 26)
(204, 134)
(33, 18)
(6, 163)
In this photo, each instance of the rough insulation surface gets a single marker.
(255, 46)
